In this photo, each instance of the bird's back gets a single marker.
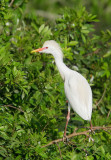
(79, 94)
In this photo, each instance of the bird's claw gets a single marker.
(65, 139)
(91, 139)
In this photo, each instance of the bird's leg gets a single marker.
(91, 126)
(68, 118)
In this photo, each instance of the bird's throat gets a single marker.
(63, 69)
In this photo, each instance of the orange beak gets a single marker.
(39, 49)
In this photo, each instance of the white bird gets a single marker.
(78, 91)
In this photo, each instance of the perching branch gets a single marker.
(77, 134)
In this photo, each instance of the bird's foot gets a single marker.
(91, 139)
(65, 139)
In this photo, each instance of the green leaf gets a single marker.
(3, 152)
(73, 43)
(35, 27)
(107, 54)
(41, 28)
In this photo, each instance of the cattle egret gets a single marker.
(77, 90)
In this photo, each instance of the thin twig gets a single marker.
(77, 134)
(101, 97)
(75, 130)
(8, 105)
(95, 52)
(45, 126)
(11, 3)
(59, 150)
(109, 113)
(71, 143)
(74, 146)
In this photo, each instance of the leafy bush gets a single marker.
(32, 100)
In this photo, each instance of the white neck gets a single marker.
(63, 69)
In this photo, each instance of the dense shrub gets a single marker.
(32, 100)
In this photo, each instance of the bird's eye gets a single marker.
(46, 47)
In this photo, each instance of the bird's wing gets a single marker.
(79, 95)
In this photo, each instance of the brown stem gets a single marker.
(8, 105)
(59, 150)
(77, 134)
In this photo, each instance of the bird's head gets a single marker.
(50, 47)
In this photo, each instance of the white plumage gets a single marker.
(77, 89)
(79, 95)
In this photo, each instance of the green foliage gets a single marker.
(32, 99)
